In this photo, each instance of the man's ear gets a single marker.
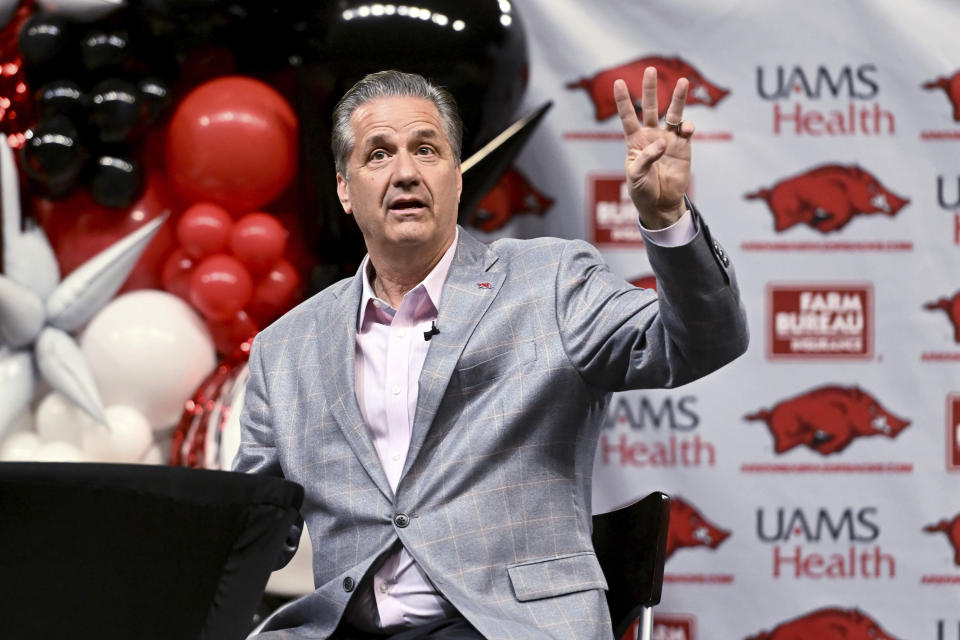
(343, 193)
(459, 182)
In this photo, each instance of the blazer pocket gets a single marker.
(497, 365)
(556, 576)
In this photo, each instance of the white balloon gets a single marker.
(59, 452)
(21, 446)
(17, 384)
(93, 283)
(153, 456)
(28, 258)
(21, 314)
(148, 350)
(60, 420)
(127, 436)
(62, 364)
(82, 10)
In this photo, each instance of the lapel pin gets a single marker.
(483, 285)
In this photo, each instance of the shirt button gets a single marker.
(401, 520)
(348, 584)
(401, 333)
(396, 457)
(395, 390)
(384, 587)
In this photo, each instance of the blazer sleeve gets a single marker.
(622, 337)
(258, 453)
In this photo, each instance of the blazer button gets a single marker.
(401, 520)
(348, 584)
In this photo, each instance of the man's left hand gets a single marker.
(658, 158)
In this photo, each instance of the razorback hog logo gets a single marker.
(690, 529)
(827, 419)
(511, 196)
(951, 86)
(952, 307)
(669, 70)
(645, 282)
(827, 198)
(952, 529)
(827, 624)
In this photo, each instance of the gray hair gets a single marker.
(390, 84)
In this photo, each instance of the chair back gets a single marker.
(631, 545)
(133, 551)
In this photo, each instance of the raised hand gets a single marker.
(658, 158)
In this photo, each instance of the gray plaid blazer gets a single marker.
(494, 501)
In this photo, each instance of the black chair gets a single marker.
(631, 545)
(132, 551)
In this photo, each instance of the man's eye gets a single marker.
(425, 150)
(378, 155)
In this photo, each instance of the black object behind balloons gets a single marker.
(116, 180)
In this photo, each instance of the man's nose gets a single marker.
(406, 171)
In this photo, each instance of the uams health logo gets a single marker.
(827, 198)
(797, 93)
(832, 623)
(949, 201)
(659, 433)
(669, 70)
(827, 419)
(819, 321)
(798, 537)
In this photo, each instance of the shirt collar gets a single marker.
(432, 284)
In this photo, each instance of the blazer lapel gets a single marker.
(338, 375)
(467, 294)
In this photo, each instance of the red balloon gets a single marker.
(274, 294)
(220, 287)
(204, 229)
(177, 271)
(258, 241)
(229, 334)
(232, 141)
(78, 228)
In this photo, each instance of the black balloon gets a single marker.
(117, 111)
(115, 180)
(156, 95)
(60, 97)
(104, 52)
(53, 156)
(45, 43)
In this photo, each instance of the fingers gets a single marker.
(645, 159)
(628, 114)
(651, 110)
(677, 102)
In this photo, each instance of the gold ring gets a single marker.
(673, 126)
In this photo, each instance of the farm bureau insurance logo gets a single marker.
(667, 626)
(827, 420)
(660, 433)
(829, 623)
(819, 321)
(798, 92)
(950, 85)
(798, 538)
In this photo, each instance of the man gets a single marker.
(441, 408)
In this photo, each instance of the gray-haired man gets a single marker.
(441, 407)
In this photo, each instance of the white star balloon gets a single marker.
(38, 312)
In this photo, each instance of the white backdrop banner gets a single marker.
(816, 480)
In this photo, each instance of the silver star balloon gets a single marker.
(38, 311)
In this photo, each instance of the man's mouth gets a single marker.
(406, 205)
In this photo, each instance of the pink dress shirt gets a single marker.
(390, 353)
